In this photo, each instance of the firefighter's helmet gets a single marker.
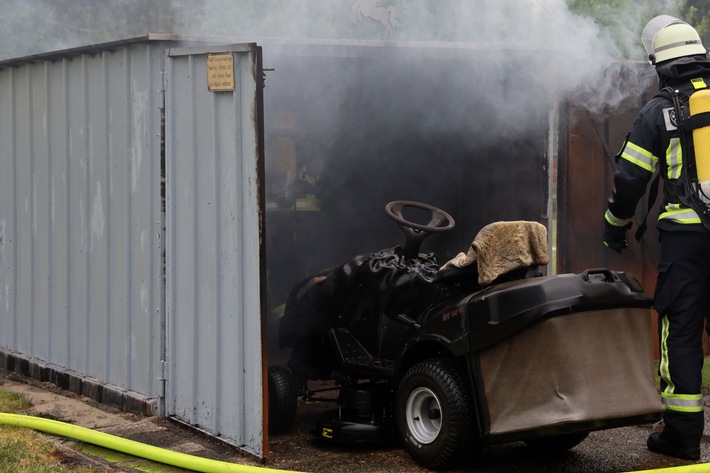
(666, 37)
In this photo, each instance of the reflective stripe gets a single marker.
(681, 215)
(664, 366)
(640, 157)
(678, 44)
(683, 402)
(672, 401)
(674, 158)
(617, 222)
(698, 83)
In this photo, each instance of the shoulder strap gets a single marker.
(666, 93)
(672, 95)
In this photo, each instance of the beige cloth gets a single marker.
(591, 366)
(501, 247)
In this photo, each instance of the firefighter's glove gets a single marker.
(615, 237)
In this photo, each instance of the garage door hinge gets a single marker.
(163, 370)
(161, 105)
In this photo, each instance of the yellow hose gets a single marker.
(191, 462)
(699, 468)
(137, 449)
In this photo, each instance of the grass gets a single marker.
(24, 450)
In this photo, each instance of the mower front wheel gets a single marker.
(433, 410)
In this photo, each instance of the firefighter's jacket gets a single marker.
(654, 145)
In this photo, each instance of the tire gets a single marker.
(282, 400)
(557, 443)
(434, 414)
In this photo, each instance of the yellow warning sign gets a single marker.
(220, 72)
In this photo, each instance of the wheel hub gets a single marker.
(423, 414)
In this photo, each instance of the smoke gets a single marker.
(39, 26)
(441, 101)
(390, 99)
(396, 99)
(569, 52)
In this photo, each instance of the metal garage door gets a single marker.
(213, 131)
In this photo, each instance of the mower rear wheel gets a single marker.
(282, 399)
(433, 411)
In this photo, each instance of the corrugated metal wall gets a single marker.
(214, 247)
(80, 215)
(131, 241)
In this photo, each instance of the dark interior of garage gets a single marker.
(351, 128)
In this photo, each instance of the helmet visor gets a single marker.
(653, 27)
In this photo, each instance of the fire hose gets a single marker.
(131, 447)
(191, 462)
(700, 468)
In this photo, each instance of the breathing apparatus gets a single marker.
(667, 38)
(699, 122)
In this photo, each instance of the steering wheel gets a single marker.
(416, 233)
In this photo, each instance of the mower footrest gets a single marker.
(349, 349)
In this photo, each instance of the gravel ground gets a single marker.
(615, 450)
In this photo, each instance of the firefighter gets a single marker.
(660, 142)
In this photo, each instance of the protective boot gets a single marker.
(667, 445)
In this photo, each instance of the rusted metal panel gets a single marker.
(585, 181)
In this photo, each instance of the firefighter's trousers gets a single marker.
(682, 299)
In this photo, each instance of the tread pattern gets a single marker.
(282, 400)
(455, 442)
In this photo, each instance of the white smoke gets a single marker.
(570, 52)
(443, 101)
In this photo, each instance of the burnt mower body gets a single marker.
(448, 361)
